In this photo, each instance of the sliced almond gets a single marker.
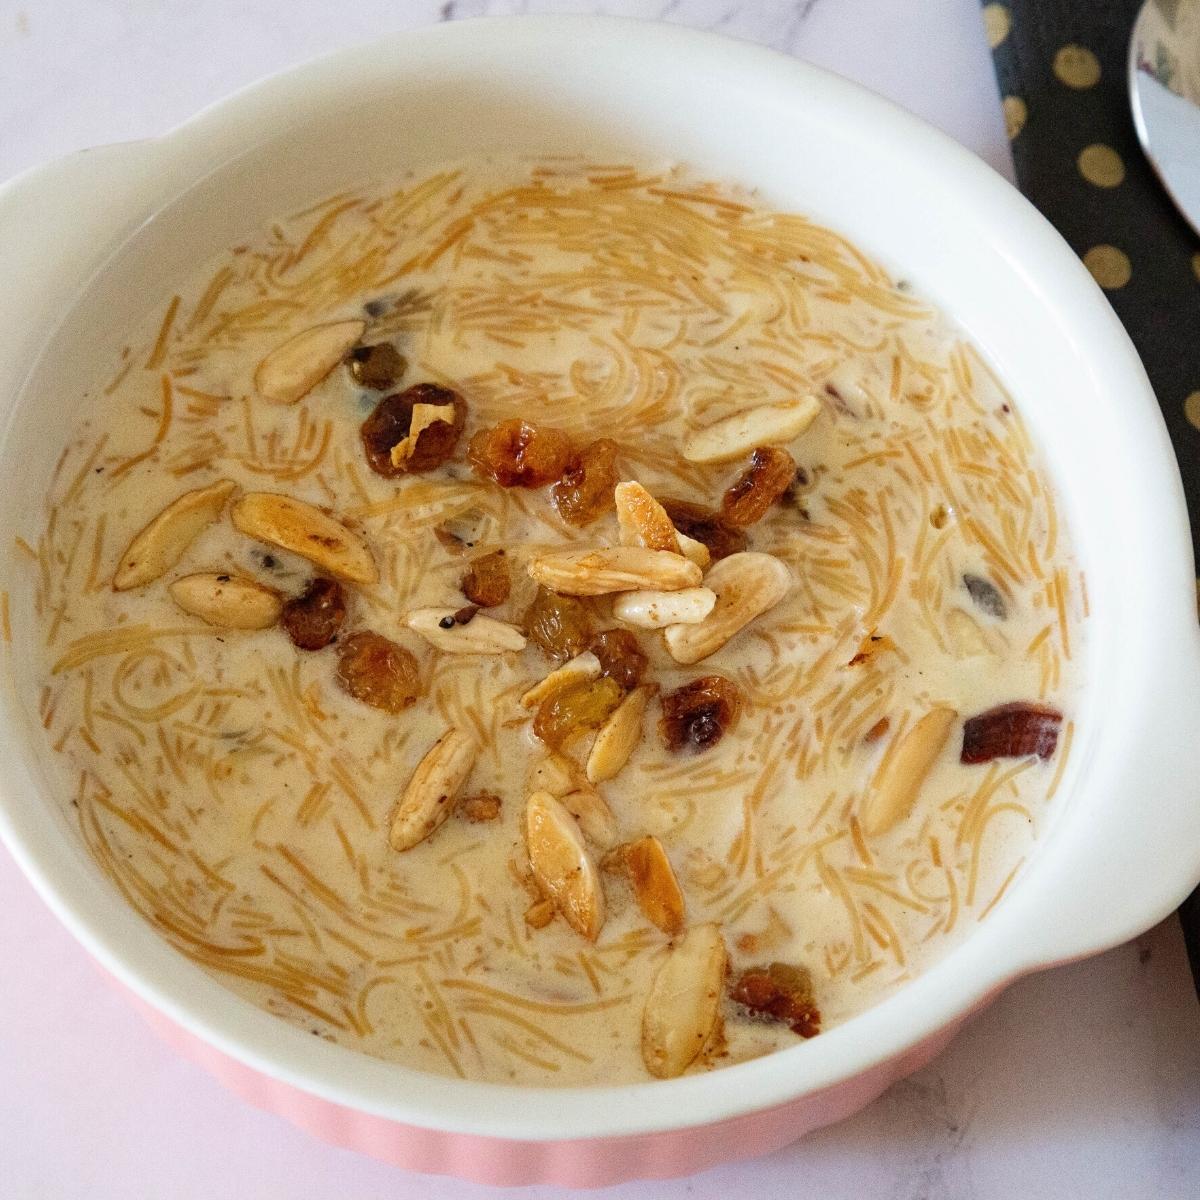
(480, 635)
(562, 866)
(582, 666)
(657, 610)
(423, 415)
(905, 765)
(227, 600)
(595, 818)
(296, 366)
(307, 531)
(161, 544)
(642, 520)
(684, 1002)
(967, 637)
(429, 798)
(696, 551)
(654, 884)
(739, 434)
(747, 585)
(614, 569)
(554, 774)
(619, 735)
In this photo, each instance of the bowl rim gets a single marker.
(947, 992)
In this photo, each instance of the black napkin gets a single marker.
(1061, 70)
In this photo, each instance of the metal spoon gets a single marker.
(1164, 91)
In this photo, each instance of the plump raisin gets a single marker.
(392, 419)
(782, 991)
(620, 658)
(700, 713)
(1011, 731)
(704, 525)
(585, 490)
(312, 619)
(560, 625)
(580, 706)
(487, 581)
(518, 453)
(375, 670)
(769, 475)
(378, 367)
(483, 806)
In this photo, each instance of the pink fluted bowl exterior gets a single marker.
(87, 241)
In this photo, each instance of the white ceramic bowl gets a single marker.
(90, 243)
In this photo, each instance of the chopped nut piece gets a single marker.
(429, 797)
(483, 806)
(766, 425)
(694, 551)
(227, 601)
(585, 490)
(487, 581)
(374, 670)
(377, 367)
(312, 620)
(307, 531)
(554, 774)
(700, 713)
(747, 585)
(562, 865)
(540, 914)
(518, 453)
(657, 610)
(872, 645)
(987, 596)
(614, 569)
(582, 667)
(781, 991)
(684, 1002)
(595, 818)
(428, 436)
(619, 735)
(697, 523)
(654, 884)
(893, 792)
(620, 657)
(643, 521)
(478, 635)
(1011, 731)
(752, 494)
(163, 541)
(574, 709)
(560, 625)
(296, 366)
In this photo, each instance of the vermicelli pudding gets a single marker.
(557, 623)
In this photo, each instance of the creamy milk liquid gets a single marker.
(240, 800)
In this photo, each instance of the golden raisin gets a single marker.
(580, 706)
(486, 581)
(518, 453)
(389, 424)
(483, 806)
(782, 991)
(312, 619)
(378, 367)
(585, 490)
(560, 625)
(620, 658)
(700, 713)
(768, 476)
(704, 525)
(375, 670)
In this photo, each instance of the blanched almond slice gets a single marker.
(642, 520)
(747, 585)
(595, 818)
(654, 884)
(656, 610)
(739, 434)
(619, 735)
(429, 798)
(562, 865)
(307, 531)
(684, 1002)
(227, 601)
(554, 774)
(696, 551)
(582, 666)
(480, 635)
(423, 415)
(161, 544)
(296, 366)
(967, 638)
(903, 769)
(614, 569)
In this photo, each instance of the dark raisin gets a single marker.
(620, 657)
(389, 424)
(312, 619)
(781, 991)
(704, 525)
(700, 713)
(1011, 731)
(986, 595)
(377, 367)
(518, 453)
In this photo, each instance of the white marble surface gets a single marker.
(1083, 1082)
